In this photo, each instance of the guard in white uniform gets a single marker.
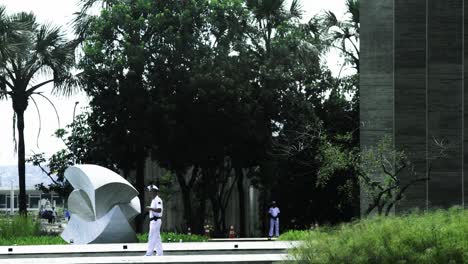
(155, 214)
(274, 219)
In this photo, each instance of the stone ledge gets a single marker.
(250, 258)
(5, 251)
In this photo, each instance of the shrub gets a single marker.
(437, 237)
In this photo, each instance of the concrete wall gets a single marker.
(413, 89)
(376, 79)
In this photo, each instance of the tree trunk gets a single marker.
(217, 223)
(200, 216)
(140, 186)
(186, 197)
(240, 191)
(21, 164)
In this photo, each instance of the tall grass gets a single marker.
(437, 237)
(18, 226)
(32, 240)
(20, 230)
(292, 235)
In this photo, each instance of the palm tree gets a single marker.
(43, 52)
(343, 35)
(268, 16)
(10, 34)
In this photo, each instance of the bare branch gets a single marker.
(48, 173)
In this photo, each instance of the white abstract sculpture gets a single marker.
(101, 206)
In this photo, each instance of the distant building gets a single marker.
(33, 198)
(34, 175)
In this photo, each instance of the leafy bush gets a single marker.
(437, 237)
(174, 237)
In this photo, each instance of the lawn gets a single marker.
(26, 231)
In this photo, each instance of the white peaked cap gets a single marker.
(152, 187)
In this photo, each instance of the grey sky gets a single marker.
(60, 12)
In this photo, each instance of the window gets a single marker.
(3, 201)
(34, 200)
(15, 201)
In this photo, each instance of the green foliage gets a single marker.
(436, 237)
(203, 86)
(296, 235)
(18, 226)
(342, 35)
(32, 240)
(20, 230)
(380, 169)
(320, 168)
(173, 237)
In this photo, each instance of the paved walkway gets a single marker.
(258, 252)
(193, 247)
(251, 258)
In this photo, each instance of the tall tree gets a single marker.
(287, 53)
(44, 51)
(114, 64)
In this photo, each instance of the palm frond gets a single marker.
(53, 106)
(49, 36)
(83, 18)
(24, 21)
(295, 9)
(265, 9)
(71, 84)
(13, 33)
(353, 9)
(81, 23)
(40, 121)
(329, 20)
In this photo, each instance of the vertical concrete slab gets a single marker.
(445, 99)
(376, 79)
(464, 180)
(410, 95)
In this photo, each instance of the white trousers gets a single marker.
(154, 238)
(274, 224)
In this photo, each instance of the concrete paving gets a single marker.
(225, 259)
(192, 252)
